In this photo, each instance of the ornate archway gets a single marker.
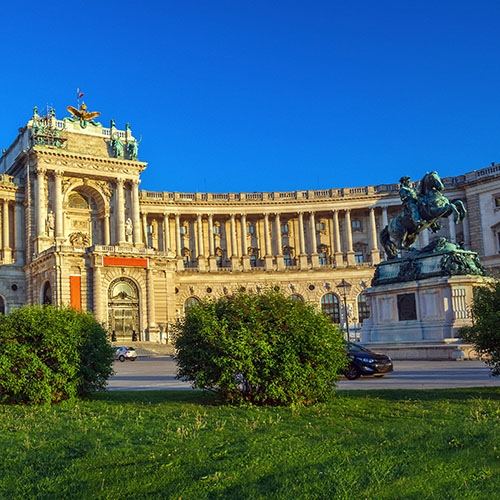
(123, 310)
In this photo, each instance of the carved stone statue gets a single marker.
(129, 229)
(421, 210)
(50, 222)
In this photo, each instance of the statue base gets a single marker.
(419, 303)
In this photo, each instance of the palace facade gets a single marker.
(77, 230)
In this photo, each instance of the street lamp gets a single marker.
(344, 288)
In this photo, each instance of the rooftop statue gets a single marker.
(421, 210)
(82, 114)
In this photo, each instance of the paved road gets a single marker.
(159, 373)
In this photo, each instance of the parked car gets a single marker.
(123, 353)
(362, 361)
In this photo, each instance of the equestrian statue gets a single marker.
(421, 210)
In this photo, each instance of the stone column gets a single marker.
(136, 213)
(145, 229)
(151, 299)
(375, 252)
(178, 244)
(7, 252)
(107, 229)
(58, 203)
(120, 212)
(268, 258)
(166, 233)
(280, 259)
(97, 296)
(465, 226)
(212, 259)
(313, 245)
(19, 247)
(235, 259)
(348, 235)
(245, 259)
(201, 247)
(452, 229)
(40, 210)
(302, 244)
(338, 257)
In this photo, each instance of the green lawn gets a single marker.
(179, 445)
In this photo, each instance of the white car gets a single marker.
(123, 353)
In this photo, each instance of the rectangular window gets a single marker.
(356, 225)
(284, 228)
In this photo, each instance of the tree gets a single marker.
(51, 354)
(262, 348)
(484, 333)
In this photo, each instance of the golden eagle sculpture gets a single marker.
(82, 114)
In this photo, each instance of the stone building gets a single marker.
(76, 230)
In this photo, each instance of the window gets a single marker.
(330, 306)
(190, 301)
(76, 200)
(497, 201)
(358, 257)
(320, 227)
(216, 228)
(183, 229)
(323, 255)
(356, 225)
(250, 229)
(284, 228)
(296, 296)
(363, 308)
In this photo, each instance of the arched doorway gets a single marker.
(123, 310)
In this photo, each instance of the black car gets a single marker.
(362, 361)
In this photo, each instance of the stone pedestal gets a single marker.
(417, 307)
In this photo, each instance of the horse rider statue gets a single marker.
(421, 210)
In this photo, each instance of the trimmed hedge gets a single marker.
(50, 354)
(264, 349)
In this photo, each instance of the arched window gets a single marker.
(363, 308)
(190, 301)
(47, 294)
(296, 296)
(76, 200)
(330, 306)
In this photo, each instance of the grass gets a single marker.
(442, 444)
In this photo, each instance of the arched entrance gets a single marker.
(123, 310)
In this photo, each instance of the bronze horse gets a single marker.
(402, 231)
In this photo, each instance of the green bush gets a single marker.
(265, 349)
(49, 355)
(484, 333)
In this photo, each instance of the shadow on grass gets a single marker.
(156, 397)
(463, 394)
(206, 398)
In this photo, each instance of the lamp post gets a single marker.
(345, 288)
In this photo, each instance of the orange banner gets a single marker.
(75, 292)
(125, 261)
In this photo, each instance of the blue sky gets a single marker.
(242, 96)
